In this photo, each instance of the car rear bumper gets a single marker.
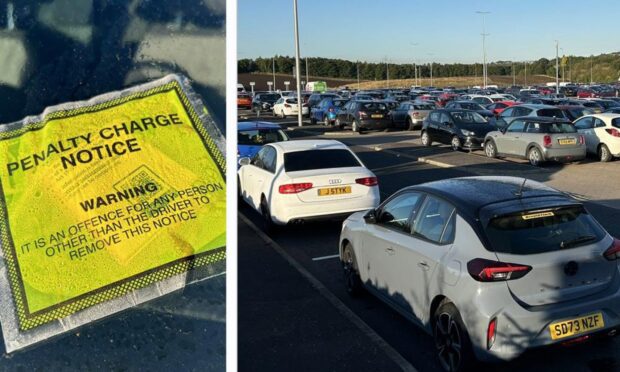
(520, 328)
(291, 210)
(564, 155)
(374, 123)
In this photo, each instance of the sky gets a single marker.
(445, 31)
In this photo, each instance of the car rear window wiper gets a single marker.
(573, 242)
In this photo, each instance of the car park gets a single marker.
(264, 101)
(461, 129)
(252, 135)
(297, 181)
(363, 115)
(287, 106)
(538, 139)
(602, 134)
(409, 115)
(489, 266)
(327, 110)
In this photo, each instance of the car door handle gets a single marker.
(390, 250)
(423, 265)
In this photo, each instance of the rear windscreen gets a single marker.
(551, 128)
(373, 106)
(532, 232)
(259, 137)
(553, 113)
(319, 159)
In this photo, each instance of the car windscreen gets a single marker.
(468, 117)
(540, 231)
(319, 159)
(423, 107)
(551, 112)
(551, 128)
(471, 106)
(259, 137)
(615, 122)
(291, 100)
(269, 97)
(373, 106)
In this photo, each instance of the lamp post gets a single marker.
(297, 64)
(484, 50)
(415, 70)
(431, 63)
(557, 69)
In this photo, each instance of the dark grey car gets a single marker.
(537, 139)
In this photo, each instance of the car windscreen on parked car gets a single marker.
(471, 106)
(551, 112)
(270, 97)
(319, 159)
(373, 106)
(552, 229)
(468, 117)
(423, 107)
(259, 137)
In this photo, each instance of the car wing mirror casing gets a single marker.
(371, 216)
(244, 161)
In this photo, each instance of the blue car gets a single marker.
(326, 110)
(252, 135)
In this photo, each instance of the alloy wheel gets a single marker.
(448, 342)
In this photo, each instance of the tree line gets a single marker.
(602, 68)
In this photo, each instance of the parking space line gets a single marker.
(325, 257)
(339, 305)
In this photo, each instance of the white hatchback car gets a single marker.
(602, 134)
(287, 106)
(295, 181)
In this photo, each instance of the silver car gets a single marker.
(490, 266)
(537, 139)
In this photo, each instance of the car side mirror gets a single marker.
(447, 123)
(244, 161)
(371, 216)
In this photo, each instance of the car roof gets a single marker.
(469, 194)
(542, 119)
(537, 106)
(303, 145)
(605, 115)
(248, 125)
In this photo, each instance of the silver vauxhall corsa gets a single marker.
(490, 266)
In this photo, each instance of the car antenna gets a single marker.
(519, 193)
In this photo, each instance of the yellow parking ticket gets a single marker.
(108, 196)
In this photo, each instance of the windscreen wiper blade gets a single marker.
(573, 242)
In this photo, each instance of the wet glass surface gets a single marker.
(55, 51)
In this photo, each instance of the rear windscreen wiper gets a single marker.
(573, 242)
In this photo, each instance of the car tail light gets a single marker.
(576, 340)
(294, 188)
(493, 271)
(547, 140)
(362, 114)
(491, 331)
(415, 113)
(582, 139)
(613, 252)
(287, 105)
(613, 131)
(367, 181)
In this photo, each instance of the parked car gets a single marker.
(606, 103)
(327, 110)
(461, 129)
(500, 106)
(363, 115)
(602, 134)
(264, 101)
(410, 115)
(537, 139)
(510, 113)
(592, 105)
(252, 135)
(573, 112)
(295, 181)
(287, 106)
(473, 106)
(318, 97)
(244, 101)
(489, 266)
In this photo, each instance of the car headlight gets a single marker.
(466, 132)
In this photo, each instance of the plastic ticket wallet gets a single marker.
(105, 204)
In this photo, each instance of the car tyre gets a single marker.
(455, 143)
(355, 126)
(426, 139)
(353, 283)
(410, 125)
(454, 349)
(268, 225)
(282, 115)
(604, 154)
(490, 149)
(534, 156)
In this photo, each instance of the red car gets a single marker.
(592, 93)
(546, 90)
(244, 101)
(499, 106)
(445, 98)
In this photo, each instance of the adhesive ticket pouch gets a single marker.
(103, 200)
